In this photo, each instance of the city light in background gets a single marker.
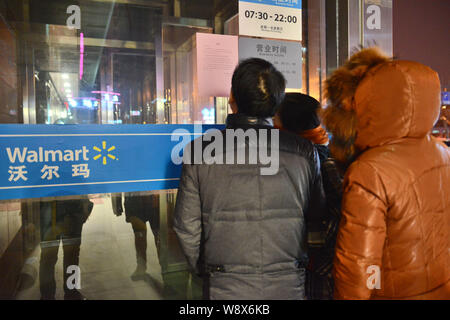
(81, 55)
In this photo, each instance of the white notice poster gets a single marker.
(277, 19)
(286, 56)
(217, 56)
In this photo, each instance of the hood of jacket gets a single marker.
(374, 100)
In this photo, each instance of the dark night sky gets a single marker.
(422, 33)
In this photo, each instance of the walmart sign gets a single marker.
(60, 160)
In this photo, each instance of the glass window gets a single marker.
(116, 62)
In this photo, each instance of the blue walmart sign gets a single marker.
(58, 160)
(279, 3)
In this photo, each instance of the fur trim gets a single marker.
(341, 87)
(342, 124)
(339, 117)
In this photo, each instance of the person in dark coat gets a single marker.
(140, 208)
(61, 221)
(242, 231)
(299, 113)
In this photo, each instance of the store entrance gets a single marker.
(123, 243)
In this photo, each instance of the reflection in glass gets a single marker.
(61, 221)
(140, 209)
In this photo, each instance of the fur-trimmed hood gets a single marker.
(374, 100)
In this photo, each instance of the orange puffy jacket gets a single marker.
(394, 236)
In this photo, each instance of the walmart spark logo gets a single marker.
(105, 153)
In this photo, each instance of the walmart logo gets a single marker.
(104, 153)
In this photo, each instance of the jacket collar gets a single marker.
(242, 120)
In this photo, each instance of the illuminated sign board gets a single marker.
(279, 19)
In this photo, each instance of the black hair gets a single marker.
(298, 112)
(258, 88)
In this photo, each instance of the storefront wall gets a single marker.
(129, 62)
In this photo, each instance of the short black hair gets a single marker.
(258, 88)
(298, 112)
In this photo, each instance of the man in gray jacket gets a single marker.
(243, 229)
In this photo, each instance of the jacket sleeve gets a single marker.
(316, 215)
(187, 217)
(362, 233)
(332, 186)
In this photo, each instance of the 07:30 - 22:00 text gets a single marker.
(250, 14)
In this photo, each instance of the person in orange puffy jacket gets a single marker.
(394, 236)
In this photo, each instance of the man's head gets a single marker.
(257, 88)
(298, 112)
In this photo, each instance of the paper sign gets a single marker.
(286, 56)
(217, 57)
(278, 19)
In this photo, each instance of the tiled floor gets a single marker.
(108, 258)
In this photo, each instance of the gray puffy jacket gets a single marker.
(245, 233)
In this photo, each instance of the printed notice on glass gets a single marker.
(284, 55)
(277, 19)
(217, 57)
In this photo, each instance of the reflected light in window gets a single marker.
(87, 103)
(81, 55)
(73, 103)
